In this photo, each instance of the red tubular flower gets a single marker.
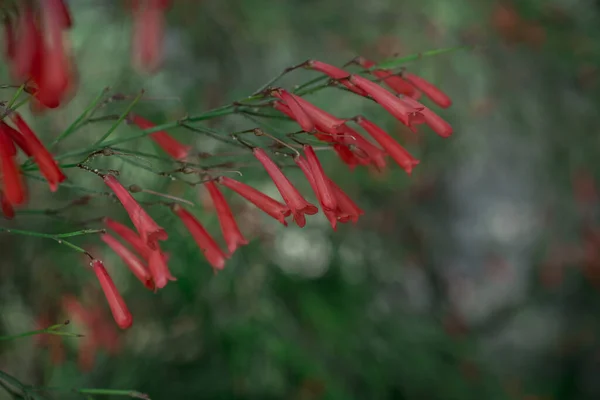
(48, 166)
(214, 255)
(148, 229)
(148, 35)
(134, 264)
(54, 74)
(435, 94)
(117, 305)
(367, 152)
(159, 269)
(324, 191)
(336, 73)
(405, 112)
(231, 231)
(402, 157)
(28, 45)
(11, 175)
(394, 82)
(300, 115)
(347, 209)
(62, 13)
(171, 146)
(16, 138)
(347, 156)
(323, 121)
(434, 121)
(7, 208)
(292, 197)
(310, 176)
(267, 204)
(129, 235)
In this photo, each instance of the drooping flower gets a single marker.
(46, 163)
(434, 93)
(324, 190)
(213, 253)
(117, 305)
(148, 34)
(394, 82)
(365, 151)
(129, 235)
(405, 112)
(134, 264)
(12, 181)
(402, 157)
(17, 138)
(170, 145)
(434, 121)
(159, 269)
(347, 209)
(231, 232)
(148, 229)
(321, 190)
(296, 109)
(267, 204)
(336, 73)
(292, 197)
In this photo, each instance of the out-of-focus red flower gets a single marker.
(170, 146)
(148, 34)
(31, 144)
(12, 181)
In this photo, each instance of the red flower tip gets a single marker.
(7, 209)
(434, 121)
(336, 73)
(169, 145)
(347, 209)
(435, 94)
(292, 197)
(148, 229)
(117, 305)
(267, 204)
(214, 255)
(134, 264)
(231, 231)
(159, 269)
(30, 143)
(394, 82)
(402, 157)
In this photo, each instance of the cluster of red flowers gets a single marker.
(39, 54)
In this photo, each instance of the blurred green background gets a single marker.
(476, 278)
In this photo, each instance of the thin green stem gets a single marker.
(75, 125)
(59, 238)
(121, 118)
(15, 96)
